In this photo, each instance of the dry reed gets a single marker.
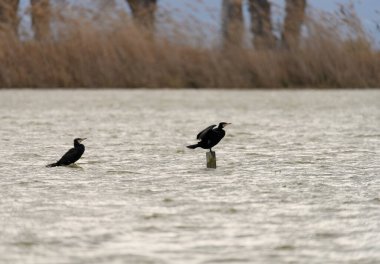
(335, 53)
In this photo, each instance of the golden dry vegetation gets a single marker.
(334, 52)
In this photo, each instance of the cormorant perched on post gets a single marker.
(72, 155)
(210, 136)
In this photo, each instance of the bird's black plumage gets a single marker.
(210, 136)
(72, 155)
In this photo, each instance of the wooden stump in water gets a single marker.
(211, 159)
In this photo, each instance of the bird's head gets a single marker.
(79, 140)
(223, 124)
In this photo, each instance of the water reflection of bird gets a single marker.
(210, 136)
(72, 155)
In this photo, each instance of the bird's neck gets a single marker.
(77, 144)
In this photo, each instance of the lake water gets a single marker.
(298, 177)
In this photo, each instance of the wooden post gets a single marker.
(211, 159)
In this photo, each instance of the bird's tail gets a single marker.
(52, 165)
(193, 146)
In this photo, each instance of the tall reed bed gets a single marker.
(335, 52)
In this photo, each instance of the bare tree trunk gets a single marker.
(262, 24)
(41, 16)
(144, 12)
(295, 16)
(104, 4)
(233, 24)
(8, 15)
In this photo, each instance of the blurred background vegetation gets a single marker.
(99, 45)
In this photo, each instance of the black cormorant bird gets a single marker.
(210, 136)
(72, 155)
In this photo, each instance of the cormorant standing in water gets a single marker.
(210, 136)
(72, 155)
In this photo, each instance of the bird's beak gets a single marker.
(83, 139)
(227, 124)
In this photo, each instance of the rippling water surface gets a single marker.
(298, 177)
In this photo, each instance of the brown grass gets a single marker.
(336, 53)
